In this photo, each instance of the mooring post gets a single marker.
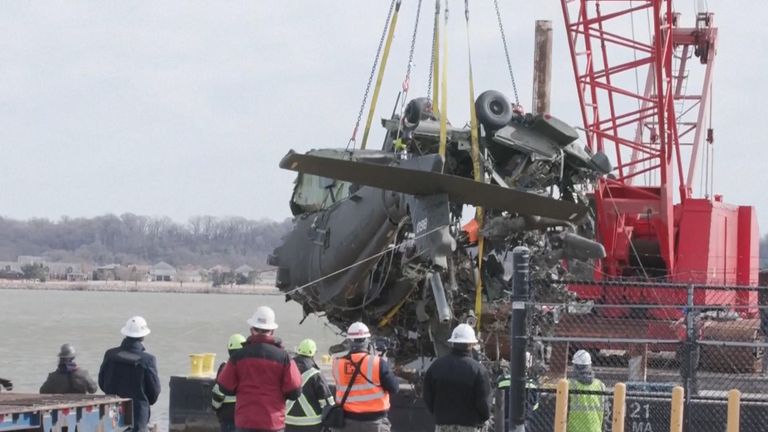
(517, 393)
(734, 406)
(676, 411)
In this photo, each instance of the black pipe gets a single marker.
(690, 361)
(520, 282)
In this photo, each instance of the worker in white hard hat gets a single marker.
(457, 388)
(364, 382)
(224, 403)
(131, 372)
(304, 414)
(262, 376)
(68, 376)
(586, 411)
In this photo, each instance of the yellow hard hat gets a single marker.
(236, 341)
(306, 348)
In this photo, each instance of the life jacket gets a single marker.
(301, 412)
(585, 411)
(367, 395)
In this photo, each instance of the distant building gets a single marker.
(219, 269)
(133, 273)
(191, 274)
(106, 272)
(244, 270)
(10, 270)
(30, 260)
(65, 271)
(162, 272)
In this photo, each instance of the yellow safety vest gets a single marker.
(227, 399)
(585, 411)
(310, 417)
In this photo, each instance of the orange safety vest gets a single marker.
(366, 395)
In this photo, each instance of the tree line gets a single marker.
(133, 239)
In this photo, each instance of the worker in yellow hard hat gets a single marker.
(223, 403)
(303, 415)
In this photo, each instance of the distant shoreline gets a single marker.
(143, 287)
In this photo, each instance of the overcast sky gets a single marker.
(183, 108)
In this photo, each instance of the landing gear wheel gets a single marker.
(493, 109)
(416, 110)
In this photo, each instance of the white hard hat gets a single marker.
(135, 327)
(463, 333)
(263, 319)
(582, 358)
(358, 330)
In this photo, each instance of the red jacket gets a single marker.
(262, 376)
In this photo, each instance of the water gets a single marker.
(34, 324)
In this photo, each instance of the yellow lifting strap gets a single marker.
(380, 77)
(444, 92)
(477, 170)
(436, 59)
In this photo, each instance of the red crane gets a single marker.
(647, 105)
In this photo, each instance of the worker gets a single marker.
(531, 393)
(303, 415)
(6, 384)
(457, 389)
(262, 376)
(586, 412)
(224, 404)
(130, 372)
(367, 403)
(68, 377)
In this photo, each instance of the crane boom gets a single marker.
(648, 218)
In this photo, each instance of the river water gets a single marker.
(34, 324)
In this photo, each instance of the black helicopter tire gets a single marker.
(415, 109)
(493, 109)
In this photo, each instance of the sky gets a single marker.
(184, 108)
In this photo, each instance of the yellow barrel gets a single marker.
(209, 359)
(196, 365)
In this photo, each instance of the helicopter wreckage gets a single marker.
(378, 234)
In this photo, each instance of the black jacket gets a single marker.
(68, 380)
(130, 372)
(457, 390)
(315, 390)
(226, 412)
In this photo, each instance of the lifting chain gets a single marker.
(506, 52)
(407, 80)
(353, 138)
(433, 58)
(406, 83)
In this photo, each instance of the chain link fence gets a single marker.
(706, 339)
